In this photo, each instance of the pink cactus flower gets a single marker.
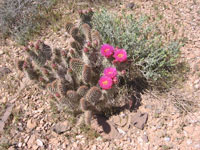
(110, 72)
(120, 55)
(115, 80)
(105, 82)
(107, 50)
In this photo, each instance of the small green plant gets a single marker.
(157, 59)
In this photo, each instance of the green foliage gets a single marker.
(144, 44)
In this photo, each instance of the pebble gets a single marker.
(1, 52)
(145, 138)
(189, 141)
(197, 146)
(130, 5)
(196, 86)
(39, 143)
(167, 139)
(19, 144)
(121, 131)
(94, 147)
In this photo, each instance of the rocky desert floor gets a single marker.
(30, 120)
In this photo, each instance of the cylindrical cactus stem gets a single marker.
(86, 74)
(57, 52)
(82, 90)
(73, 53)
(31, 73)
(20, 64)
(88, 117)
(62, 87)
(76, 65)
(38, 61)
(86, 29)
(49, 76)
(65, 58)
(74, 32)
(75, 45)
(53, 87)
(69, 26)
(93, 95)
(46, 50)
(83, 104)
(72, 96)
(96, 38)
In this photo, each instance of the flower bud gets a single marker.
(123, 72)
(54, 66)
(115, 80)
(114, 62)
(57, 95)
(26, 48)
(85, 50)
(89, 44)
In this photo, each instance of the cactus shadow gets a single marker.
(102, 121)
(133, 101)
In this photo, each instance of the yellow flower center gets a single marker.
(120, 55)
(110, 72)
(106, 50)
(105, 82)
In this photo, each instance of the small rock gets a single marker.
(106, 127)
(31, 141)
(145, 138)
(189, 141)
(4, 71)
(1, 52)
(61, 127)
(99, 138)
(149, 107)
(197, 146)
(167, 139)
(12, 148)
(139, 120)
(130, 5)
(19, 144)
(121, 131)
(79, 136)
(94, 147)
(39, 143)
(197, 86)
(31, 124)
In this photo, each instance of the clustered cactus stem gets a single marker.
(72, 75)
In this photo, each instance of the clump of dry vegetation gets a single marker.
(21, 19)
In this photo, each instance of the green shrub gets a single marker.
(157, 59)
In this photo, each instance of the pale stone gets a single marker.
(39, 143)
(31, 124)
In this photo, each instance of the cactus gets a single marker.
(96, 38)
(83, 104)
(86, 29)
(20, 64)
(93, 95)
(82, 90)
(86, 74)
(76, 65)
(69, 26)
(76, 46)
(88, 117)
(72, 95)
(71, 75)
